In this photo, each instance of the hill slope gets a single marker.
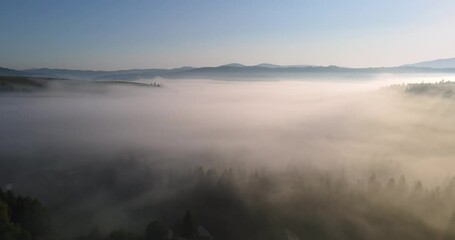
(438, 64)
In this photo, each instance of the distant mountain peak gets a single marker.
(437, 64)
(233, 65)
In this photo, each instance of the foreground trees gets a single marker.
(236, 204)
(22, 217)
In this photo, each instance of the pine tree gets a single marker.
(188, 229)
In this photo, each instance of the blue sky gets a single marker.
(91, 34)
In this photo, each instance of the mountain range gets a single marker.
(234, 70)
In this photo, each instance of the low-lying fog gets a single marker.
(357, 128)
(328, 123)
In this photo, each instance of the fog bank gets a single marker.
(134, 138)
(265, 123)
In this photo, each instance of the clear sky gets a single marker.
(123, 34)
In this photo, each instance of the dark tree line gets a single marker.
(234, 204)
(22, 218)
(156, 230)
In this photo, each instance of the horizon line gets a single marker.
(231, 63)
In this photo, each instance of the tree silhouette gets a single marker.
(188, 229)
(9, 231)
(4, 221)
